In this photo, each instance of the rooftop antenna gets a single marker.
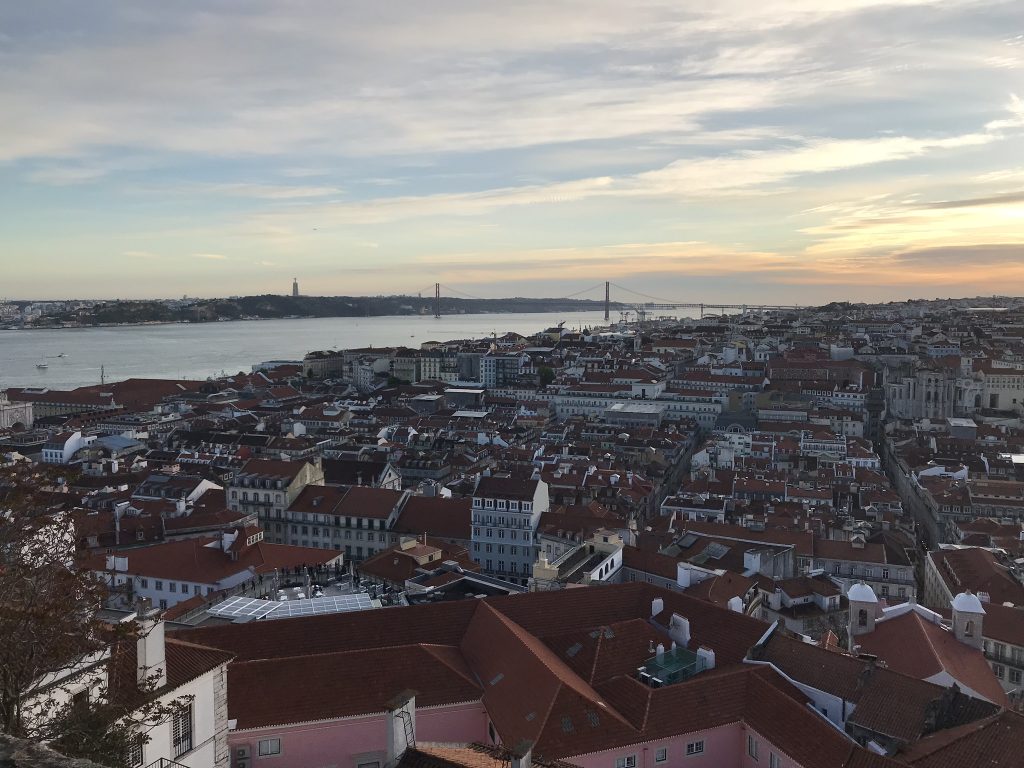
(103, 375)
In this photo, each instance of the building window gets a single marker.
(1015, 676)
(627, 761)
(661, 755)
(1000, 670)
(135, 752)
(158, 586)
(695, 748)
(144, 583)
(270, 747)
(773, 760)
(862, 618)
(181, 731)
(752, 746)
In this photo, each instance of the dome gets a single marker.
(966, 602)
(861, 593)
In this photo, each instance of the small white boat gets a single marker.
(42, 366)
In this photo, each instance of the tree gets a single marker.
(546, 375)
(56, 652)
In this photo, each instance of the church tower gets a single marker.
(863, 610)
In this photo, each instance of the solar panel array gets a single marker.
(240, 609)
(243, 609)
(316, 606)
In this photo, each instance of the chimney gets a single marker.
(151, 662)
(657, 606)
(522, 754)
(679, 630)
(708, 655)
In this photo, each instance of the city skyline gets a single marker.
(806, 151)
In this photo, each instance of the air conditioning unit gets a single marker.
(239, 763)
(242, 752)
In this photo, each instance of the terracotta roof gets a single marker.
(273, 468)
(363, 501)
(265, 693)
(505, 488)
(439, 624)
(887, 702)
(991, 743)
(516, 655)
(1003, 623)
(319, 499)
(721, 589)
(185, 662)
(191, 560)
(397, 564)
(977, 570)
(935, 650)
(436, 516)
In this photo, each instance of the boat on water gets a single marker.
(63, 354)
(42, 365)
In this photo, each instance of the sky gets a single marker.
(777, 151)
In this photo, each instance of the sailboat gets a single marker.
(42, 365)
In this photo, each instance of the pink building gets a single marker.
(626, 676)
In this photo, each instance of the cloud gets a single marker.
(145, 255)
(975, 254)
(1003, 199)
(267, 191)
(792, 142)
(60, 176)
(731, 173)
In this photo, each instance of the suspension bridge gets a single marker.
(640, 303)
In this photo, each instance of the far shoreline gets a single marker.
(289, 317)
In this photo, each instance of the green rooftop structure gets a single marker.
(670, 667)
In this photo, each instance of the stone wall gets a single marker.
(17, 753)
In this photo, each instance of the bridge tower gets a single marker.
(437, 299)
(607, 299)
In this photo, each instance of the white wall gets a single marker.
(204, 725)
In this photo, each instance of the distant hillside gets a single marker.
(272, 306)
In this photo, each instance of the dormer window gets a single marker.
(489, 503)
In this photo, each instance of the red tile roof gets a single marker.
(375, 503)
(333, 685)
(920, 648)
(515, 654)
(436, 516)
(991, 743)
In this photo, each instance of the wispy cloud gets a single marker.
(782, 143)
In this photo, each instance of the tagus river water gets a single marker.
(196, 351)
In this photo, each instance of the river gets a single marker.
(197, 351)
